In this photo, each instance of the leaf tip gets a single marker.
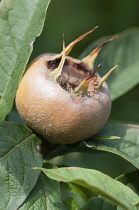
(36, 168)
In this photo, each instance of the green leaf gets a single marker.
(74, 196)
(72, 200)
(131, 180)
(98, 204)
(45, 195)
(124, 51)
(126, 147)
(98, 183)
(20, 23)
(18, 155)
(107, 137)
(14, 116)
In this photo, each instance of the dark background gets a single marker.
(75, 17)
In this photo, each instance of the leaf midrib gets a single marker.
(17, 145)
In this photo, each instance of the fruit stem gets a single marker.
(82, 89)
(103, 79)
(57, 72)
(90, 59)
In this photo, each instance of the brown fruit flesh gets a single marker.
(59, 115)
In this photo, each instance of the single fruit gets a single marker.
(62, 98)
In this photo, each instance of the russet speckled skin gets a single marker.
(59, 115)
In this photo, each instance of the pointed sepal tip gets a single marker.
(104, 78)
(90, 59)
(57, 72)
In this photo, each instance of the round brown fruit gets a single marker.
(62, 99)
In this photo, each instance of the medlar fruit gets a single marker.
(64, 99)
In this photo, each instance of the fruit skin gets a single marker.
(59, 115)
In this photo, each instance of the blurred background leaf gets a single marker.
(75, 17)
(131, 180)
(126, 107)
(105, 162)
(99, 204)
(74, 196)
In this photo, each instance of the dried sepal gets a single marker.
(72, 44)
(57, 72)
(90, 59)
(82, 89)
(103, 79)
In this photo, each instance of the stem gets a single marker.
(63, 150)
